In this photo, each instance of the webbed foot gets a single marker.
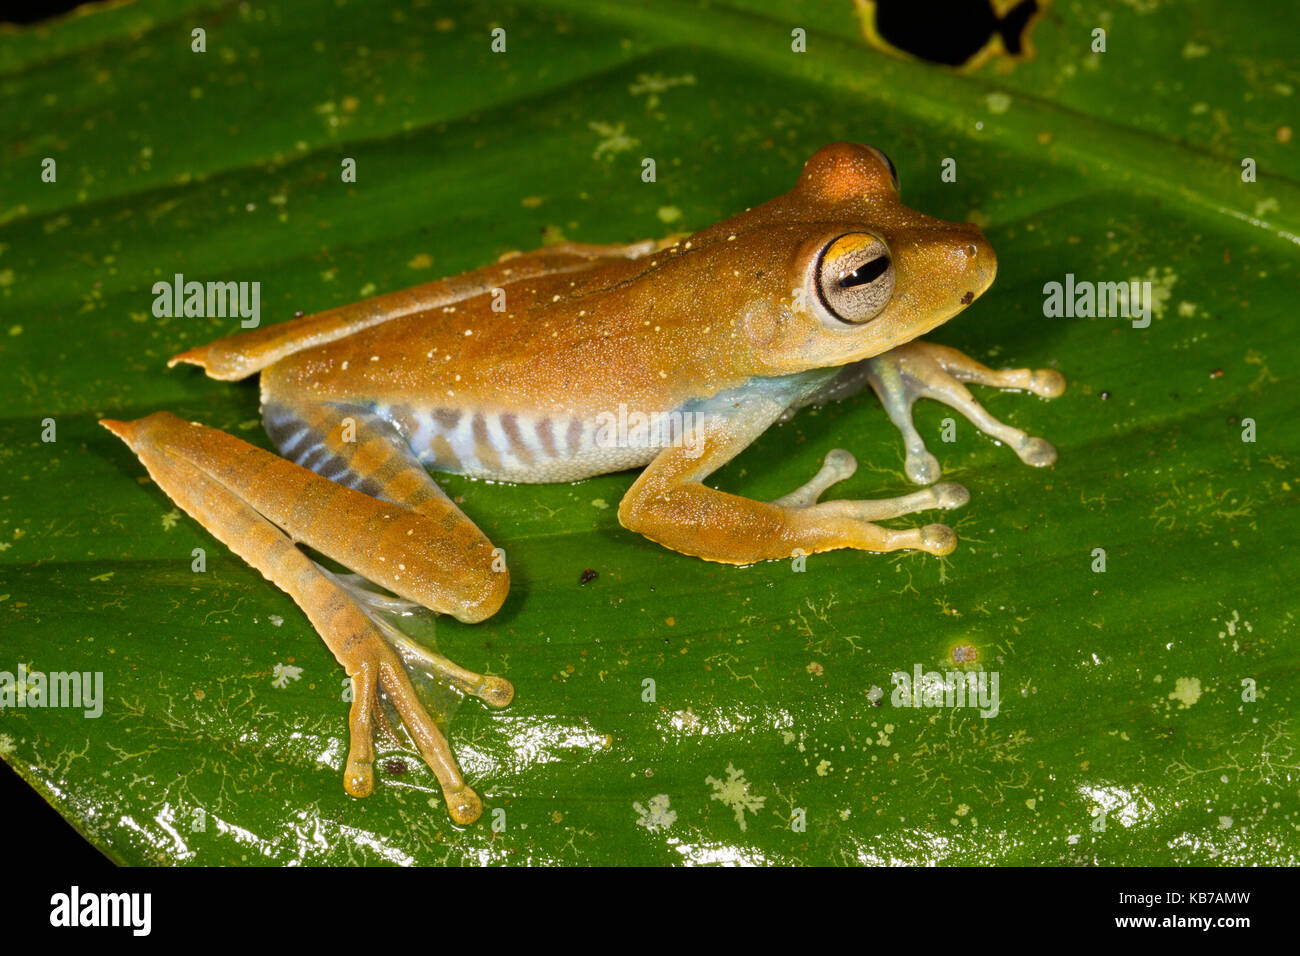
(936, 539)
(925, 370)
(374, 664)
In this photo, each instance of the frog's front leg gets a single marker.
(925, 370)
(404, 535)
(670, 504)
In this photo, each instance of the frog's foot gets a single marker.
(374, 665)
(840, 464)
(670, 504)
(925, 370)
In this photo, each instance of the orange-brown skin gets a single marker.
(807, 297)
(642, 321)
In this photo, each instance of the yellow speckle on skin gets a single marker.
(531, 202)
(668, 214)
(420, 261)
(600, 503)
(823, 768)
(1187, 691)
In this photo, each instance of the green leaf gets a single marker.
(1126, 731)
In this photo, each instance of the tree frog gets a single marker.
(509, 372)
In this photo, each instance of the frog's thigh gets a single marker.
(351, 445)
(354, 448)
(244, 496)
(925, 370)
(669, 504)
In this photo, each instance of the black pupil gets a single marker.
(867, 272)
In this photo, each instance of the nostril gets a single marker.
(971, 250)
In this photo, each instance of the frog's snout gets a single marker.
(976, 263)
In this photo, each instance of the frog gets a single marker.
(508, 373)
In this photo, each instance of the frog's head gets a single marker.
(865, 272)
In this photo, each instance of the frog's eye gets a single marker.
(855, 277)
(893, 170)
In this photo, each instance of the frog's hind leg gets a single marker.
(259, 505)
(925, 370)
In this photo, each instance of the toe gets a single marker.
(464, 805)
(359, 778)
(497, 692)
(938, 539)
(1047, 382)
(1036, 452)
(950, 495)
(922, 468)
